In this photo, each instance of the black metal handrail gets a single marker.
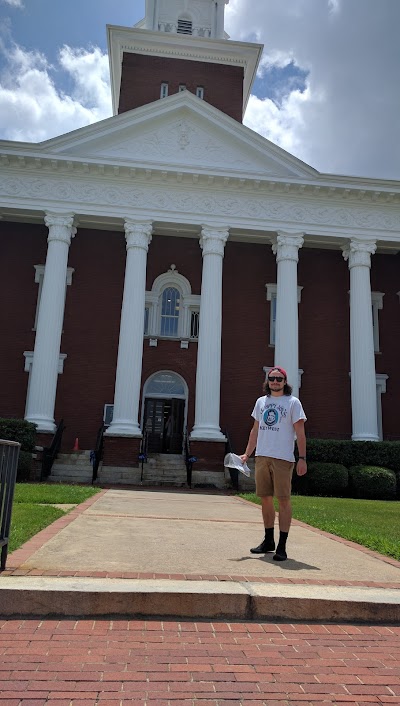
(189, 460)
(97, 453)
(233, 472)
(50, 452)
(143, 452)
(9, 453)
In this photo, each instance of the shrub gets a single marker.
(25, 433)
(19, 430)
(385, 454)
(322, 479)
(372, 482)
(24, 466)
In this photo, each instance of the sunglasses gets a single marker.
(278, 378)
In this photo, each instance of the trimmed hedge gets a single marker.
(25, 433)
(19, 430)
(385, 454)
(322, 479)
(372, 482)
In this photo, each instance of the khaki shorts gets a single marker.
(273, 477)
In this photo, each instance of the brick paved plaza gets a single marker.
(153, 663)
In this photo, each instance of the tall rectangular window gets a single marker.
(146, 321)
(200, 92)
(170, 312)
(377, 304)
(272, 326)
(194, 324)
(164, 90)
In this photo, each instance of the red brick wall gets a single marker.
(122, 452)
(92, 316)
(142, 77)
(21, 247)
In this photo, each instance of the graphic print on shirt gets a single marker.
(272, 414)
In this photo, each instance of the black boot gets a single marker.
(280, 554)
(267, 545)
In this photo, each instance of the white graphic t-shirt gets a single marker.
(276, 416)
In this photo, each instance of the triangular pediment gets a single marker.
(180, 132)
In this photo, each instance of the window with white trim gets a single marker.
(171, 310)
(200, 92)
(146, 320)
(39, 277)
(170, 307)
(272, 297)
(194, 323)
(164, 90)
(380, 380)
(377, 304)
(182, 87)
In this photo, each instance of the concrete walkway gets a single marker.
(141, 552)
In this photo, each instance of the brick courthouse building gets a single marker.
(155, 264)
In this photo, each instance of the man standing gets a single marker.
(278, 419)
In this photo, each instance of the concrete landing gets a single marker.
(151, 553)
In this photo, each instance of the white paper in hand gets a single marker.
(232, 460)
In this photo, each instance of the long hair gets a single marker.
(287, 390)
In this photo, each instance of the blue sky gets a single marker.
(327, 88)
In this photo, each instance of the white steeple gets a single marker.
(199, 18)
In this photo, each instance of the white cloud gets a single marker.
(347, 120)
(14, 3)
(33, 109)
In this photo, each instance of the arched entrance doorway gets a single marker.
(164, 412)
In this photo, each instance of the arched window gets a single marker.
(170, 307)
(171, 310)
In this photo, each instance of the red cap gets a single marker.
(281, 370)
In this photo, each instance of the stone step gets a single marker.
(84, 478)
(74, 458)
(76, 473)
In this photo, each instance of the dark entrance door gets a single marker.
(163, 421)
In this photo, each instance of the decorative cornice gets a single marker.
(358, 252)
(138, 234)
(187, 201)
(37, 166)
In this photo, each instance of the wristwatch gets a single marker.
(304, 458)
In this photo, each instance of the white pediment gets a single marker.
(180, 132)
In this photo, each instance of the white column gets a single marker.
(130, 349)
(43, 379)
(286, 248)
(362, 356)
(208, 374)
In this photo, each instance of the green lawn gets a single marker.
(32, 508)
(372, 523)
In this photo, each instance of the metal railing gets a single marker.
(97, 454)
(9, 454)
(50, 452)
(233, 472)
(189, 460)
